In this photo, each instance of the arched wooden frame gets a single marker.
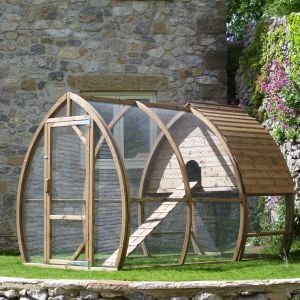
(188, 194)
(112, 123)
(205, 114)
(119, 164)
(242, 236)
(140, 206)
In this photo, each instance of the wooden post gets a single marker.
(289, 222)
(47, 193)
(90, 199)
(69, 105)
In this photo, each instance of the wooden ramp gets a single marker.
(150, 224)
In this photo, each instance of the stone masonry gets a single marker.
(38, 289)
(175, 48)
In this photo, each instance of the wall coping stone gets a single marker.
(118, 82)
(155, 288)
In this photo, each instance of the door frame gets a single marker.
(88, 217)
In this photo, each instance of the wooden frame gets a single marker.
(248, 146)
(188, 193)
(119, 164)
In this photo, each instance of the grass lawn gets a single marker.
(271, 268)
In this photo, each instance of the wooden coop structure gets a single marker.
(105, 180)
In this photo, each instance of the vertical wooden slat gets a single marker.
(86, 195)
(90, 200)
(69, 105)
(48, 194)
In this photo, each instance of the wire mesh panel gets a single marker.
(264, 247)
(162, 229)
(266, 225)
(108, 206)
(33, 205)
(107, 195)
(217, 227)
(208, 164)
(68, 189)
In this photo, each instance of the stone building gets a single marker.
(162, 50)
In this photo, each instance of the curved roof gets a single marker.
(261, 164)
(262, 167)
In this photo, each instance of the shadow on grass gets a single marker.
(9, 253)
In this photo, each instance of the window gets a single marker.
(134, 147)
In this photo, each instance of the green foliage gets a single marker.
(294, 38)
(281, 7)
(265, 221)
(241, 12)
(252, 61)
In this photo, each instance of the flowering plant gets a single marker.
(282, 100)
(272, 202)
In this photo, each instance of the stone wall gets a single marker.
(175, 48)
(35, 289)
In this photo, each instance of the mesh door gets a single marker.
(68, 154)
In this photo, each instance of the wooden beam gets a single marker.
(264, 233)
(90, 199)
(80, 134)
(78, 251)
(69, 105)
(130, 102)
(68, 119)
(68, 217)
(47, 193)
(184, 200)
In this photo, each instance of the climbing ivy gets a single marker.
(270, 67)
(294, 38)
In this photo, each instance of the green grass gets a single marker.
(271, 268)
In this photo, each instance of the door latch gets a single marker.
(47, 186)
